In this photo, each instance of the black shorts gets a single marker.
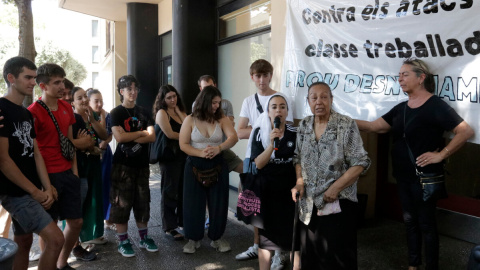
(69, 203)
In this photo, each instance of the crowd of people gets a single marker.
(56, 164)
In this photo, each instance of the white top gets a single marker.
(249, 110)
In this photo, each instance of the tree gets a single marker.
(26, 40)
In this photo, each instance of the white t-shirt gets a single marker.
(250, 111)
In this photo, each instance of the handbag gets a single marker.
(131, 149)
(433, 184)
(207, 177)
(67, 147)
(160, 150)
(249, 204)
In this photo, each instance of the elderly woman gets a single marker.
(329, 159)
(201, 138)
(276, 167)
(419, 123)
(169, 113)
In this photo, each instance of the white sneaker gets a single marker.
(250, 253)
(278, 262)
(32, 256)
(191, 246)
(221, 245)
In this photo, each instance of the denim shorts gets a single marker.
(69, 203)
(28, 215)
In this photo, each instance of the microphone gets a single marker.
(276, 141)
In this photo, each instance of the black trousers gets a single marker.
(171, 187)
(330, 242)
(419, 218)
(196, 196)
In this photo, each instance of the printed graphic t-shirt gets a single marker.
(133, 119)
(18, 128)
(47, 135)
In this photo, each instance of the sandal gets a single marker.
(175, 234)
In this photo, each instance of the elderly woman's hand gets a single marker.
(297, 188)
(331, 194)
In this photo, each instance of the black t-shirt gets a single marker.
(286, 147)
(424, 131)
(134, 119)
(18, 128)
(81, 155)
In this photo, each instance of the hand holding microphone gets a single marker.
(276, 141)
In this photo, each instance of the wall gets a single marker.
(165, 16)
(120, 61)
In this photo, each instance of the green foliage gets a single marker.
(76, 72)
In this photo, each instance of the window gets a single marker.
(95, 55)
(248, 18)
(94, 79)
(94, 28)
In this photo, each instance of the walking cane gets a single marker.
(295, 219)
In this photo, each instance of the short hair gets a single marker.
(126, 81)
(206, 78)
(160, 99)
(15, 66)
(420, 67)
(46, 71)
(319, 84)
(68, 84)
(203, 105)
(261, 66)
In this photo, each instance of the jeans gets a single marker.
(419, 218)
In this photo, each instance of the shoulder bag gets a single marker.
(67, 147)
(249, 204)
(433, 184)
(159, 149)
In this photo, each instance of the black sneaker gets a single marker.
(82, 254)
(66, 267)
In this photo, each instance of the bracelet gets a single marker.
(448, 151)
(220, 147)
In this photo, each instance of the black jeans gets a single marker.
(419, 218)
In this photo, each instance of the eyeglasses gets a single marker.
(130, 89)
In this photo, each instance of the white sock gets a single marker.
(255, 246)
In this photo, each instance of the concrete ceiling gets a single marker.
(113, 10)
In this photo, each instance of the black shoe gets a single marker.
(66, 267)
(82, 254)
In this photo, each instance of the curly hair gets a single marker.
(203, 105)
(126, 81)
(160, 99)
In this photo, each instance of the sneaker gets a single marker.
(221, 245)
(148, 244)
(191, 246)
(250, 253)
(278, 262)
(125, 248)
(82, 254)
(32, 256)
(97, 241)
(66, 267)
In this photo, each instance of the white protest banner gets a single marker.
(358, 47)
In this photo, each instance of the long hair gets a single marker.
(420, 67)
(160, 99)
(203, 105)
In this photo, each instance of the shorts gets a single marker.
(232, 159)
(69, 203)
(130, 189)
(28, 215)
